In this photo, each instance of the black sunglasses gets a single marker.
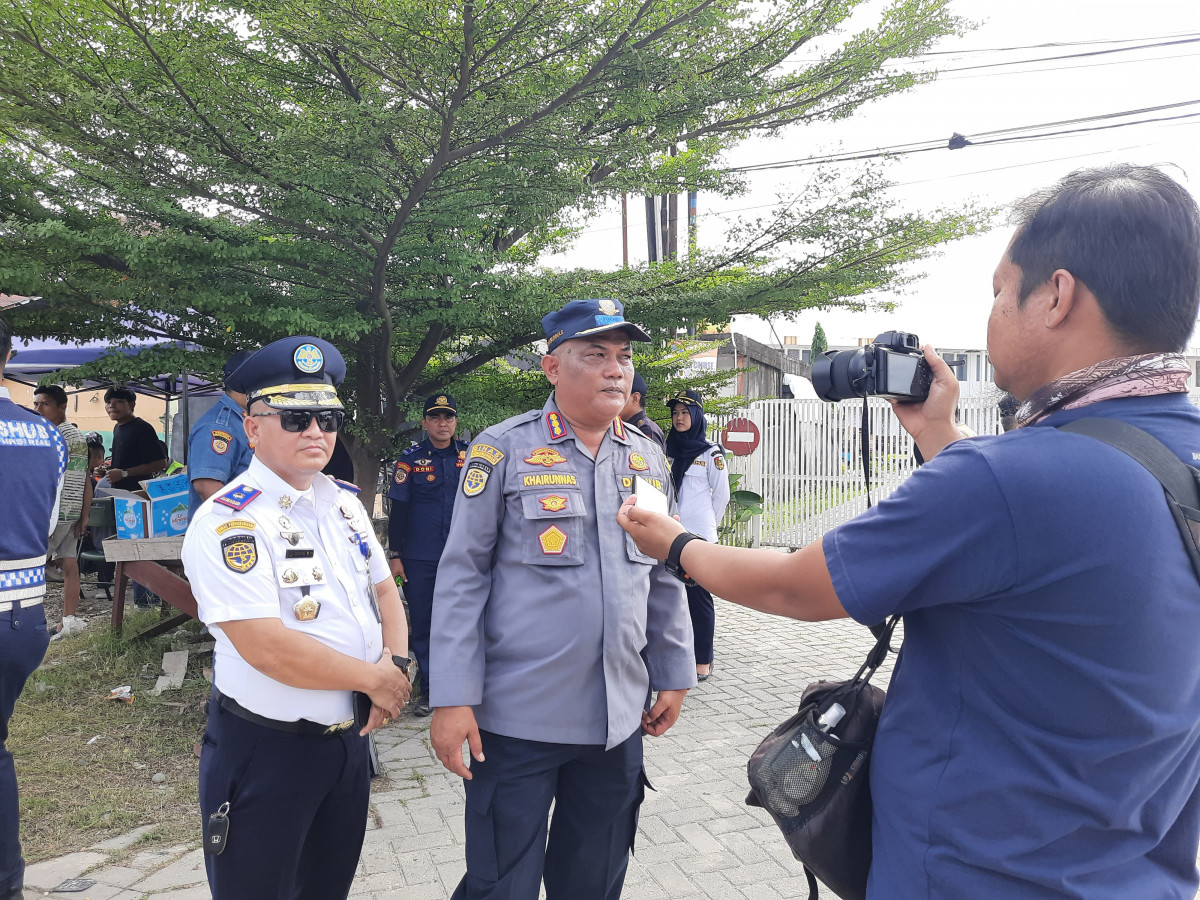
(297, 420)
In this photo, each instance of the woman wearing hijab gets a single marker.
(702, 489)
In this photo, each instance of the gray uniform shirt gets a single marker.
(547, 619)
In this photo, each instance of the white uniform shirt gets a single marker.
(256, 562)
(704, 494)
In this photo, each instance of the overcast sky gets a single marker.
(949, 306)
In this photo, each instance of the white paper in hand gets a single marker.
(649, 497)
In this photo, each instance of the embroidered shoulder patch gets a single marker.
(240, 552)
(718, 460)
(476, 478)
(244, 524)
(220, 441)
(238, 498)
(487, 453)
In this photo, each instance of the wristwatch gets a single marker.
(392, 554)
(406, 665)
(672, 561)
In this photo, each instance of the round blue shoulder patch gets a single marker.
(308, 359)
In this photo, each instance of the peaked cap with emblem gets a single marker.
(434, 402)
(689, 396)
(233, 380)
(583, 318)
(294, 373)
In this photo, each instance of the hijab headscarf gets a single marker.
(684, 446)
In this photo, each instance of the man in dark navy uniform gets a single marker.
(422, 495)
(33, 457)
(217, 446)
(634, 413)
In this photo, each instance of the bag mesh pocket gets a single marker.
(789, 778)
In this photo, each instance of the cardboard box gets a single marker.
(160, 509)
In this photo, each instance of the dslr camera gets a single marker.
(890, 366)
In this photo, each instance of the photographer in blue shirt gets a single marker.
(1040, 736)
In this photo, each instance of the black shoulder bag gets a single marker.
(811, 775)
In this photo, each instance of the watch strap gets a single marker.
(672, 561)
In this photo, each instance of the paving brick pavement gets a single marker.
(697, 838)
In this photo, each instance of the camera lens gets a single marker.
(838, 374)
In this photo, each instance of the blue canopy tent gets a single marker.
(34, 359)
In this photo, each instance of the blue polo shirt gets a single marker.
(422, 493)
(1041, 736)
(217, 448)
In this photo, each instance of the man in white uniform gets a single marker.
(293, 584)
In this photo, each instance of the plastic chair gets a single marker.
(101, 516)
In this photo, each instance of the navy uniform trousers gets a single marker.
(418, 592)
(297, 809)
(704, 622)
(596, 794)
(23, 643)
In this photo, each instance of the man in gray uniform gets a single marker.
(551, 630)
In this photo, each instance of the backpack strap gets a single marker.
(1178, 479)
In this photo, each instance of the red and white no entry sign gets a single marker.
(740, 437)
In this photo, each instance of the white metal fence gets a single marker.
(808, 465)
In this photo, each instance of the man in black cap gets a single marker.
(217, 446)
(634, 413)
(292, 583)
(137, 451)
(551, 632)
(422, 497)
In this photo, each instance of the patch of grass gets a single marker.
(75, 793)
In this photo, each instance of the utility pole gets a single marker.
(693, 212)
(624, 231)
(651, 231)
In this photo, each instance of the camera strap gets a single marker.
(864, 434)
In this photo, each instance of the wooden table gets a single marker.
(141, 560)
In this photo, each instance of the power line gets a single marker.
(1095, 65)
(979, 139)
(1055, 44)
(1111, 50)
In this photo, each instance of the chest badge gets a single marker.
(545, 456)
(553, 503)
(289, 576)
(638, 463)
(318, 575)
(285, 502)
(553, 541)
(306, 609)
(239, 552)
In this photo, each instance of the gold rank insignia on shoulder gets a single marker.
(306, 609)
(545, 456)
(638, 463)
(239, 552)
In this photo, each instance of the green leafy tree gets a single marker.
(819, 342)
(387, 174)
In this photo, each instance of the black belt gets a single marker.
(303, 726)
